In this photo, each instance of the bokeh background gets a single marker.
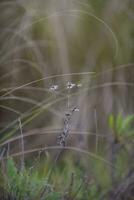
(46, 43)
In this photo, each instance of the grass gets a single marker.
(70, 176)
(73, 173)
(28, 184)
(48, 151)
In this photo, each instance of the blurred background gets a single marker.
(59, 54)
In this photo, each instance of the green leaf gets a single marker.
(127, 122)
(111, 121)
(119, 121)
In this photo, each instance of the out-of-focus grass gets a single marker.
(67, 181)
(76, 173)
(70, 178)
(46, 43)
